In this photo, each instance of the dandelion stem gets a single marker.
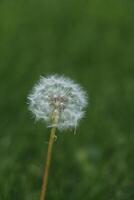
(48, 161)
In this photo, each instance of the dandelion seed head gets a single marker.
(59, 96)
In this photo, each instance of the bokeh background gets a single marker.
(92, 42)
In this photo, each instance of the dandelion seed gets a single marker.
(59, 95)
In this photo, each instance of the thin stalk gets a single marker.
(48, 161)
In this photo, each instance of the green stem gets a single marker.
(48, 162)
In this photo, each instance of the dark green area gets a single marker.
(92, 42)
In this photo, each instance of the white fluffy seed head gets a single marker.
(60, 97)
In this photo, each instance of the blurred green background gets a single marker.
(92, 42)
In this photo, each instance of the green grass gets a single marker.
(91, 42)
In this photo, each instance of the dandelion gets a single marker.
(60, 103)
